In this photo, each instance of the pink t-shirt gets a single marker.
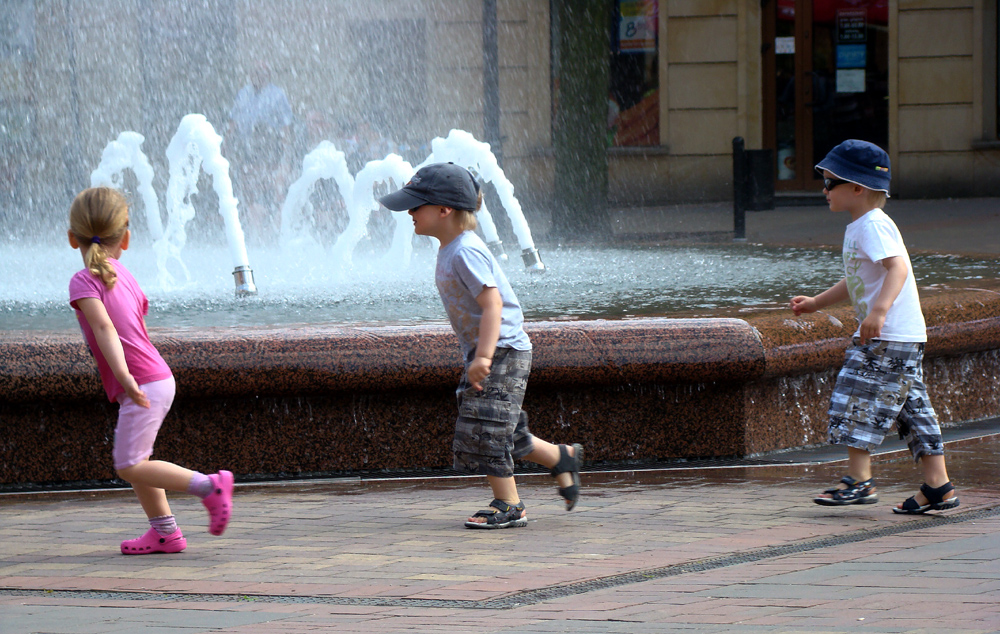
(126, 305)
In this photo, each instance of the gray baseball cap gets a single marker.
(444, 184)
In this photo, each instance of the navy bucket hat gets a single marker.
(859, 162)
(444, 184)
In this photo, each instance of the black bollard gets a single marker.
(739, 190)
(753, 184)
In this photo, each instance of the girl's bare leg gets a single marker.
(153, 500)
(151, 479)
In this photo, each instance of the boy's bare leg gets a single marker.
(935, 475)
(859, 464)
(859, 467)
(547, 455)
(503, 489)
(543, 453)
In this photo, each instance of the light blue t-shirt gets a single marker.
(465, 267)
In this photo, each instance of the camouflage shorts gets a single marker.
(881, 383)
(492, 430)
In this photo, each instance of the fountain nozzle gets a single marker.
(532, 261)
(496, 248)
(244, 281)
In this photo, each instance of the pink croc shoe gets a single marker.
(220, 502)
(153, 542)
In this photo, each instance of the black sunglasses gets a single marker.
(830, 183)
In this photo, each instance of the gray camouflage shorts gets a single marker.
(492, 430)
(881, 383)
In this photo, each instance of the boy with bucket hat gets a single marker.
(881, 382)
(492, 429)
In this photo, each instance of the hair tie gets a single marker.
(95, 240)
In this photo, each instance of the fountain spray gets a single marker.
(196, 145)
(461, 148)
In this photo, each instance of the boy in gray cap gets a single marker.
(492, 429)
(882, 378)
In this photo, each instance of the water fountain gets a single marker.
(196, 145)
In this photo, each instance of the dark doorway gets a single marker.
(826, 79)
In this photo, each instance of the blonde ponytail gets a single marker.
(98, 219)
(96, 261)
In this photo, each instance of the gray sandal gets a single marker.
(935, 499)
(500, 515)
(855, 493)
(569, 464)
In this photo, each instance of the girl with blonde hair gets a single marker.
(111, 309)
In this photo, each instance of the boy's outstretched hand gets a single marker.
(479, 369)
(802, 304)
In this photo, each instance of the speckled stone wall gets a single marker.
(316, 399)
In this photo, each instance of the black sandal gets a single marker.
(500, 515)
(569, 464)
(855, 493)
(935, 499)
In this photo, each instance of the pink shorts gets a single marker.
(138, 426)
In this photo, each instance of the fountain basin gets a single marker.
(307, 400)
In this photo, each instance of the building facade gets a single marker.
(686, 77)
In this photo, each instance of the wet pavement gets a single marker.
(961, 226)
(728, 549)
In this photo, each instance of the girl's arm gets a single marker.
(833, 295)
(111, 346)
(489, 333)
(895, 277)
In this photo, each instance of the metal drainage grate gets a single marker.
(530, 597)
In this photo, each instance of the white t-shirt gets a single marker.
(867, 241)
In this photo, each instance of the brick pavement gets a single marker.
(353, 556)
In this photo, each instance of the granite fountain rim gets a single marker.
(323, 358)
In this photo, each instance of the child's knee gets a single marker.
(126, 473)
(129, 473)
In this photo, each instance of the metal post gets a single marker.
(491, 80)
(739, 190)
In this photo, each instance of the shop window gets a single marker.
(634, 95)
